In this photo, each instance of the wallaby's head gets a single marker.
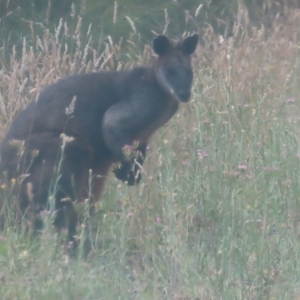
(173, 67)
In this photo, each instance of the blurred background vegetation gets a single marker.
(119, 19)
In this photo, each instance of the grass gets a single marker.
(216, 215)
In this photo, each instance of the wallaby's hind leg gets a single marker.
(100, 172)
(74, 169)
(66, 216)
(33, 192)
(50, 172)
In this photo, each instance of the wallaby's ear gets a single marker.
(161, 45)
(189, 44)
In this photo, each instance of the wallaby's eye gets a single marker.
(171, 72)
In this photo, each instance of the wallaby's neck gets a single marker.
(162, 82)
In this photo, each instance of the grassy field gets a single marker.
(217, 214)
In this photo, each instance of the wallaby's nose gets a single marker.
(184, 96)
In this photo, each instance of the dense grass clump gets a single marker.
(217, 213)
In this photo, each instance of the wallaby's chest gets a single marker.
(161, 118)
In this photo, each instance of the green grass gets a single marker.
(216, 215)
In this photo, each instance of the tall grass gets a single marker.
(216, 215)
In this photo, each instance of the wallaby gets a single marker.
(79, 126)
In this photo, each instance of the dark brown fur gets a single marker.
(102, 112)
